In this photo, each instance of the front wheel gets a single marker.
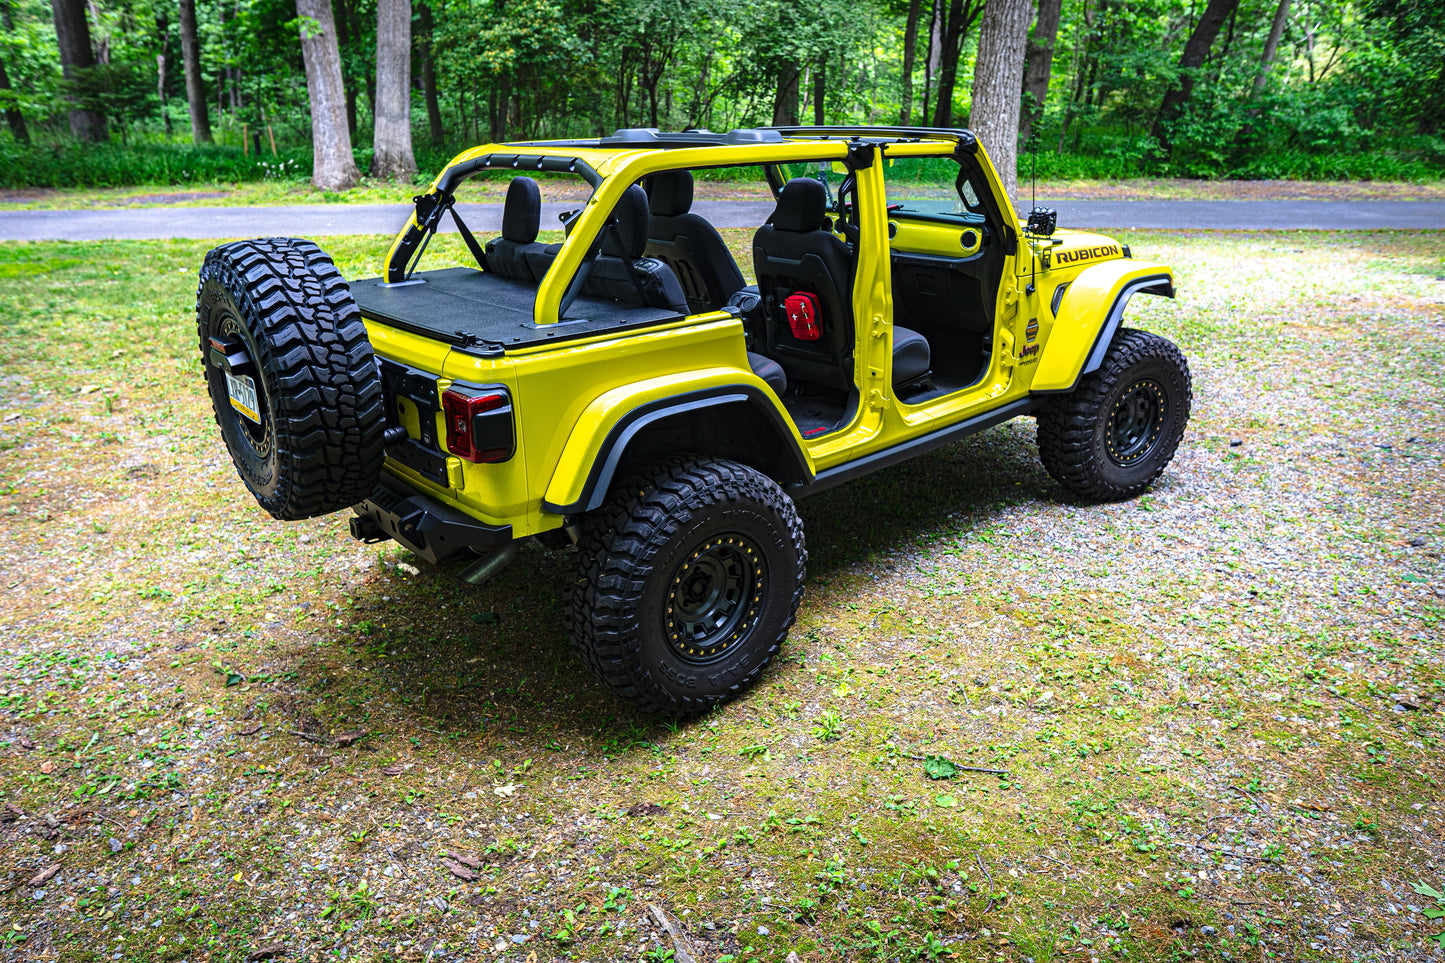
(690, 579)
(1114, 435)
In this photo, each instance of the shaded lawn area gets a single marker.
(288, 192)
(1218, 707)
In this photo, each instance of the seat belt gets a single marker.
(477, 252)
(629, 265)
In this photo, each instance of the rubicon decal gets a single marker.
(1086, 253)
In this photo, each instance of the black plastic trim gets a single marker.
(912, 448)
(429, 529)
(604, 467)
(1159, 284)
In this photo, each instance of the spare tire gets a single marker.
(292, 377)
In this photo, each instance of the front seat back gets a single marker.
(688, 244)
(793, 253)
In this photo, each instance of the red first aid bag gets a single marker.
(802, 309)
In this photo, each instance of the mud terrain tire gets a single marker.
(690, 578)
(277, 315)
(1115, 433)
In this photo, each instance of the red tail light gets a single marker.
(479, 423)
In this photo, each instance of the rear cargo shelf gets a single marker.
(486, 314)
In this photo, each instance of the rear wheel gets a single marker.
(1114, 435)
(690, 579)
(291, 374)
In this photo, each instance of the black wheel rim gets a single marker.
(1135, 422)
(714, 597)
(259, 437)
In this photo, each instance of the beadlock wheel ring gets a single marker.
(714, 597)
(1135, 422)
(260, 437)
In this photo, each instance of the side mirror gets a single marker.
(1042, 222)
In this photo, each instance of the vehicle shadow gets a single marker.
(460, 660)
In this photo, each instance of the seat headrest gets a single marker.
(800, 206)
(522, 214)
(629, 237)
(670, 194)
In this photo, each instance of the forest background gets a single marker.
(100, 93)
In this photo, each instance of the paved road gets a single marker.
(323, 219)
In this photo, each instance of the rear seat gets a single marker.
(513, 254)
(626, 241)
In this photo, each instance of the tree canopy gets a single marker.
(1219, 88)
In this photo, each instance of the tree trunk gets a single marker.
(785, 101)
(997, 81)
(425, 28)
(1271, 45)
(820, 90)
(344, 35)
(1196, 51)
(961, 15)
(13, 117)
(163, 37)
(910, 49)
(195, 85)
(503, 121)
(949, 42)
(1040, 59)
(391, 155)
(72, 35)
(101, 46)
(930, 65)
(333, 167)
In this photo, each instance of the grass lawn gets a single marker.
(289, 192)
(1215, 711)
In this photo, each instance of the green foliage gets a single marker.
(72, 165)
(1433, 912)
(1355, 90)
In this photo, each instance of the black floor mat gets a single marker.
(814, 416)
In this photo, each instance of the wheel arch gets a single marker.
(1090, 315)
(742, 422)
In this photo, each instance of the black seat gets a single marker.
(793, 253)
(770, 371)
(688, 244)
(621, 272)
(508, 255)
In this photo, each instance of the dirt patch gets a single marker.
(144, 200)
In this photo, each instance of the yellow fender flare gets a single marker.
(1089, 315)
(599, 439)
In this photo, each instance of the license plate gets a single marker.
(243, 395)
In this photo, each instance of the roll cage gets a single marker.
(641, 151)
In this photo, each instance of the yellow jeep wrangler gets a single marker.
(626, 391)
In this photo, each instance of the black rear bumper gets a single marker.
(431, 530)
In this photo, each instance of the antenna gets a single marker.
(1034, 172)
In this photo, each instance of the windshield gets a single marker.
(930, 186)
